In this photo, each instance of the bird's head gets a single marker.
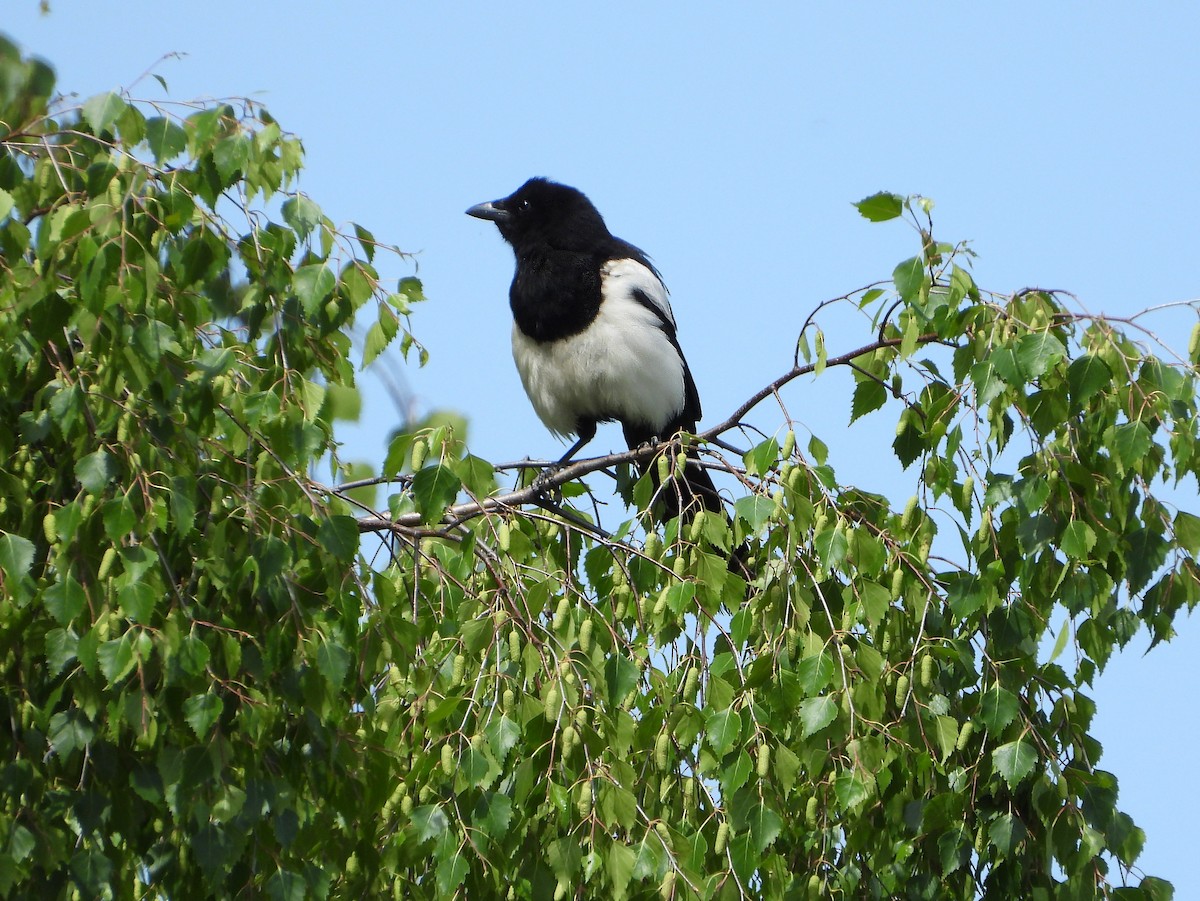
(543, 213)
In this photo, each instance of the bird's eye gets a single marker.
(523, 206)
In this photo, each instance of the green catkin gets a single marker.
(810, 811)
(763, 766)
(789, 444)
(106, 563)
(458, 670)
(927, 671)
(560, 615)
(691, 682)
(585, 636)
(419, 451)
(661, 746)
(901, 689)
(447, 760)
(722, 838)
(50, 528)
(964, 736)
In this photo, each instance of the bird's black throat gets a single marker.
(555, 294)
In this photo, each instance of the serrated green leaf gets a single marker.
(65, 599)
(910, 277)
(1014, 760)
(1037, 352)
(201, 712)
(1078, 540)
(1129, 442)
(1187, 532)
(851, 788)
(945, 734)
(165, 138)
(997, 707)
(339, 535)
(723, 729)
(880, 207)
(434, 489)
(115, 658)
(816, 713)
(96, 470)
(869, 395)
(1086, 376)
(301, 214)
(102, 111)
(16, 556)
(314, 284)
(333, 662)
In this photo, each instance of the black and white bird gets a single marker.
(593, 333)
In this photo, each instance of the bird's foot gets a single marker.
(541, 482)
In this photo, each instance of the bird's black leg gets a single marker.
(587, 431)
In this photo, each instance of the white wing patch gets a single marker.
(620, 278)
(622, 366)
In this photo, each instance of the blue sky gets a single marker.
(729, 141)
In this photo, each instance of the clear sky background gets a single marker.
(728, 141)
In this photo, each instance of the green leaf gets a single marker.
(815, 671)
(880, 207)
(102, 111)
(284, 885)
(817, 713)
(201, 712)
(869, 395)
(165, 139)
(65, 599)
(301, 214)
(765, 826)
(96, 470)
(6, 203)
(1037, 352)
(1086, 376)
(339, 535)
(945, 733)
(138, 601)
(231, 156)
(16, 556)
(1014, 760)
(997, 707)
(754, 510)
(314, 284)
(852, 787)
(116, 658)
(723, 729)
(434, 489)
(910, 277)
(1006, 832)
(69, 731)
(1078, 540)
(366, 240)
(1129, 442)
(1187, 532)
(333, 662)
(762, 457)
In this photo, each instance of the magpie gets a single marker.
(594, 338)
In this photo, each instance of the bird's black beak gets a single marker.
(490, 211)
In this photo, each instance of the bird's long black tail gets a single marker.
(684, 493)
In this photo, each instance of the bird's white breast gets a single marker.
(622, 366)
